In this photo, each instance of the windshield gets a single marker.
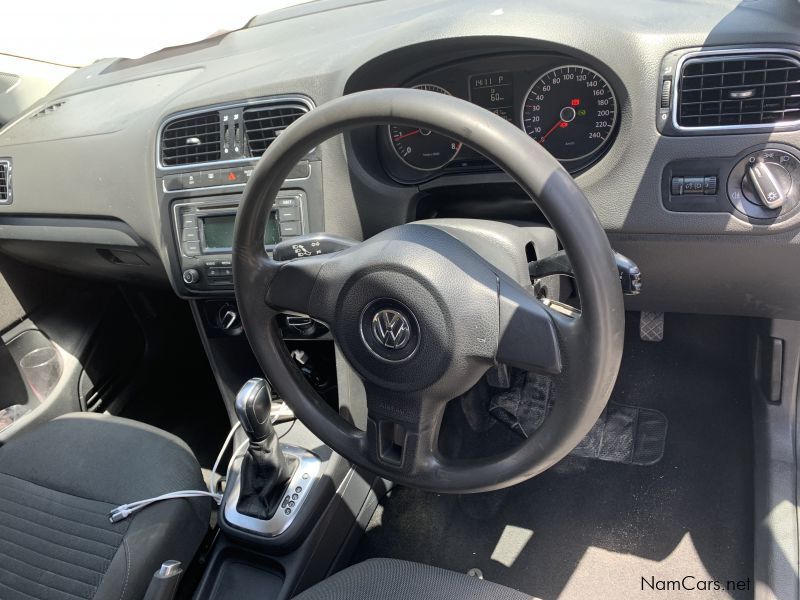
(81, 32)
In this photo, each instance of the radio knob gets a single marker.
(191, 276)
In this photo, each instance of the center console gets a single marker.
(204, 159)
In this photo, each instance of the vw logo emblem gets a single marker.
(391, 328)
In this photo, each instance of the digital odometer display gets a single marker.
(571, 111)
(494, 92)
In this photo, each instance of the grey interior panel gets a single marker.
(94, 197)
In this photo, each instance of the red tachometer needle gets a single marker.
(405, 135)
(552, 129)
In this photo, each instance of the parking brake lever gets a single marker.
(311, 244)
(630, 277)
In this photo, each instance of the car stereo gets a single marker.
(204, 233)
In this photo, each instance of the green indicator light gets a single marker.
(582, 112)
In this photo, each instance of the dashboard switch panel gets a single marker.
(760, 185)
(694, 186)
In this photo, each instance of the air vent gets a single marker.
(262, 124)
(50, 108)
(5, 181)
(191, 140)
(739, 90)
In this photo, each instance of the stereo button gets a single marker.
(288, 214)
(287, 201)
(191, 276)
(288, 229)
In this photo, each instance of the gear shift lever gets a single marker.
(264, 470)
(253, 406)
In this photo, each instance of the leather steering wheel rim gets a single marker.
(588, 348)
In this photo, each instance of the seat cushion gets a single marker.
(57, 484)
(390, 579)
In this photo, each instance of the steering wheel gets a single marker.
(422, 311)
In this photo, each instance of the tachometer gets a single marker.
(571, 111)
(423, 149)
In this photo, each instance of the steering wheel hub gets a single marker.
(395, 307)
(390, 330)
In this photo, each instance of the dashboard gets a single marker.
(683, 133)
(569, 108)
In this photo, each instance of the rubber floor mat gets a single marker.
(626, 434)
(622, 434)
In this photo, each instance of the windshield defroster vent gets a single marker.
(50, 108)
(191, 140)
(262, 124)
(739, 90)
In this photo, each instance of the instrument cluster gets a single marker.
(567, 107)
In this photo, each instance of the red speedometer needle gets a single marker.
(405, 135)
(552, 129)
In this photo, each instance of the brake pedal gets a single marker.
(651, 326)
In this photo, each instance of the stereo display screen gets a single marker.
(218, 232)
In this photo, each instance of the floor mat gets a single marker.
(594, 529)
(624, 434)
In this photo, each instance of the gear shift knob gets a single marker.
(253, 406)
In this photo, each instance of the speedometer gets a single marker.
(571, 111)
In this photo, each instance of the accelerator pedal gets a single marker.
(651, 326)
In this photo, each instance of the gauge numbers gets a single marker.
(571, 111)
(422, 149)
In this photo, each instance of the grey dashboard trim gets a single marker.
(744, 53)
(99, 232)
(298, 98)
